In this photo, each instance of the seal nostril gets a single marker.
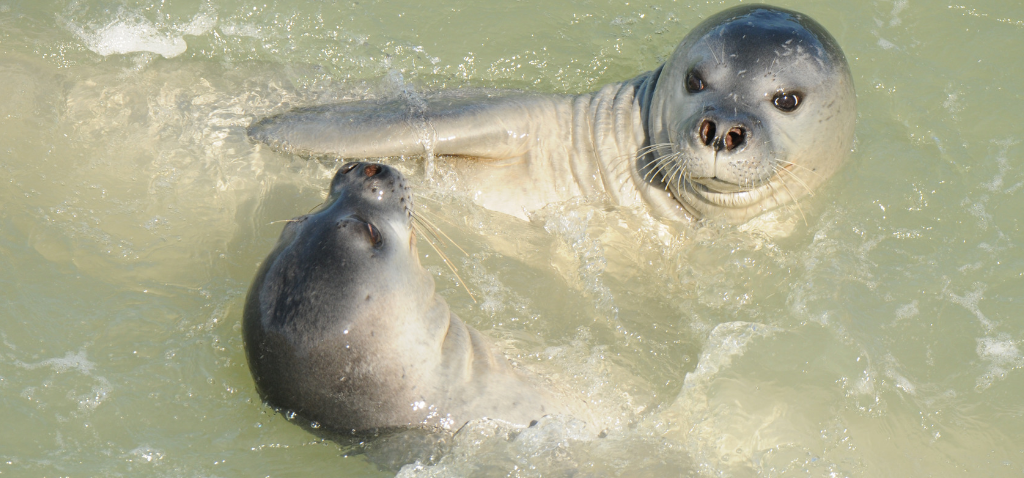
(371, 170)
(707, 132)
(348, 167)
(735, 138)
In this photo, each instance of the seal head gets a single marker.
(755, 108)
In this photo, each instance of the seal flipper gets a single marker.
(483, 125)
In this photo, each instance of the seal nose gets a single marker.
(708, 132)
(369, 169)
(372, 175)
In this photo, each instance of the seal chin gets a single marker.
(718, 186)
(739, 198)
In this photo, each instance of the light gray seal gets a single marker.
(754, 109)
(342, 326)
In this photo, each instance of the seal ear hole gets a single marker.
(694, 83)
(787, 100)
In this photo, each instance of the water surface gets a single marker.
(882, 337)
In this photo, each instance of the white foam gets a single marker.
(144, 454)
(907, 311)
(76, 362)
(1003, 163)
(70, 361)
(970, 301)
(131, 32)
(1002, 356)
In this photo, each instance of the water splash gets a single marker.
(130, 31)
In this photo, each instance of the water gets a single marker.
(882, 337)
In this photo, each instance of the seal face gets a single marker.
(754, 109)
(342, 325)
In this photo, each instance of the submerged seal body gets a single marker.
(342, 325)
(754, 109)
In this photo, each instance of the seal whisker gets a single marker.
(793, 198)
(652, 147)
(641, 153)
(669, 172)
(805, 168)
(314, 208)
(446, 260)
(428, 198)
(437, 230)
(422, 228)
(810, 192)
(429, 225)
(680, 174)
(659, 164)
(682, 164)
(677, 173)
(652, 170)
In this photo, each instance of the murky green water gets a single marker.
(883, 337)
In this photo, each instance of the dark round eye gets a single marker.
(693, 82)
(786, 101)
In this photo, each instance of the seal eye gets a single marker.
(694, 83)
(375, 238)
(786, 101)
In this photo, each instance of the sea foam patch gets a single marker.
(1002, 356)
(77, 362)
(131, 32)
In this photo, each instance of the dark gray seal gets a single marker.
(342, 325)
(754, 109)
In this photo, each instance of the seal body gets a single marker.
(754, 109)
(342, 326)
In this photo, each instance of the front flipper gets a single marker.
(482, 125)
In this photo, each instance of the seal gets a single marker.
(342, 326)
(754, 109)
